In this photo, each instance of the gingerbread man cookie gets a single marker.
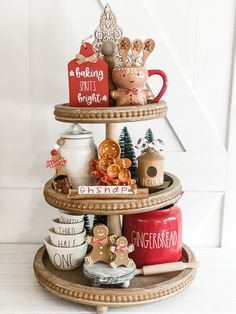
(100, 242)
(120, 253)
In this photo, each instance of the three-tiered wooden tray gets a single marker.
(72, 285)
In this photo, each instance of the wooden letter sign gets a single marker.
(88, 79)
(112, 189)
(107, 192)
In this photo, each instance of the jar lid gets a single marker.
(76, 131)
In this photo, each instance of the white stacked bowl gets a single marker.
(67, 240)
(69, 218)
(65, 228)
(65, 244)
(66, 258)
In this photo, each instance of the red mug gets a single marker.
(156, 236)
(164, 83)
(131, 83)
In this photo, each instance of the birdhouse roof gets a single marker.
(150, 156)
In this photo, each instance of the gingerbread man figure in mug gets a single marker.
(100, 242)
(120, 253)
(130, 82)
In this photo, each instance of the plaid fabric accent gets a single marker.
(54, 163)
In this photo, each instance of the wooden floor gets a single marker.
(213, 291)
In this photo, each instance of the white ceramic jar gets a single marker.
(78, 149)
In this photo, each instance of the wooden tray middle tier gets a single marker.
(155, 200)
(65, 113)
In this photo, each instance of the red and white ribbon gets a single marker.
(101, 242)
(54, 163)
(132, 90)
(120, 248)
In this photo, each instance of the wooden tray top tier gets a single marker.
(156, 199)
(65, 113)
(73, 286)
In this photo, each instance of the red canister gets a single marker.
(156, 235)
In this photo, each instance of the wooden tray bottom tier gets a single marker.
(73, 286)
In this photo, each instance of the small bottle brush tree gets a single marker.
(149, 136)
(127, 151)
(87, 224)
(100, 219)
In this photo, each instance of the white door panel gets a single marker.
(202, 215)
(185, 110)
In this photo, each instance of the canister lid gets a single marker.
(76, 131)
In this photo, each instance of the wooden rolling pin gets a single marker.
(164, 268)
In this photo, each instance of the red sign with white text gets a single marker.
(88, 79)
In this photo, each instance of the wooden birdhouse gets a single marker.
(151, 168)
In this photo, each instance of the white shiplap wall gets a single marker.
(194, 46)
